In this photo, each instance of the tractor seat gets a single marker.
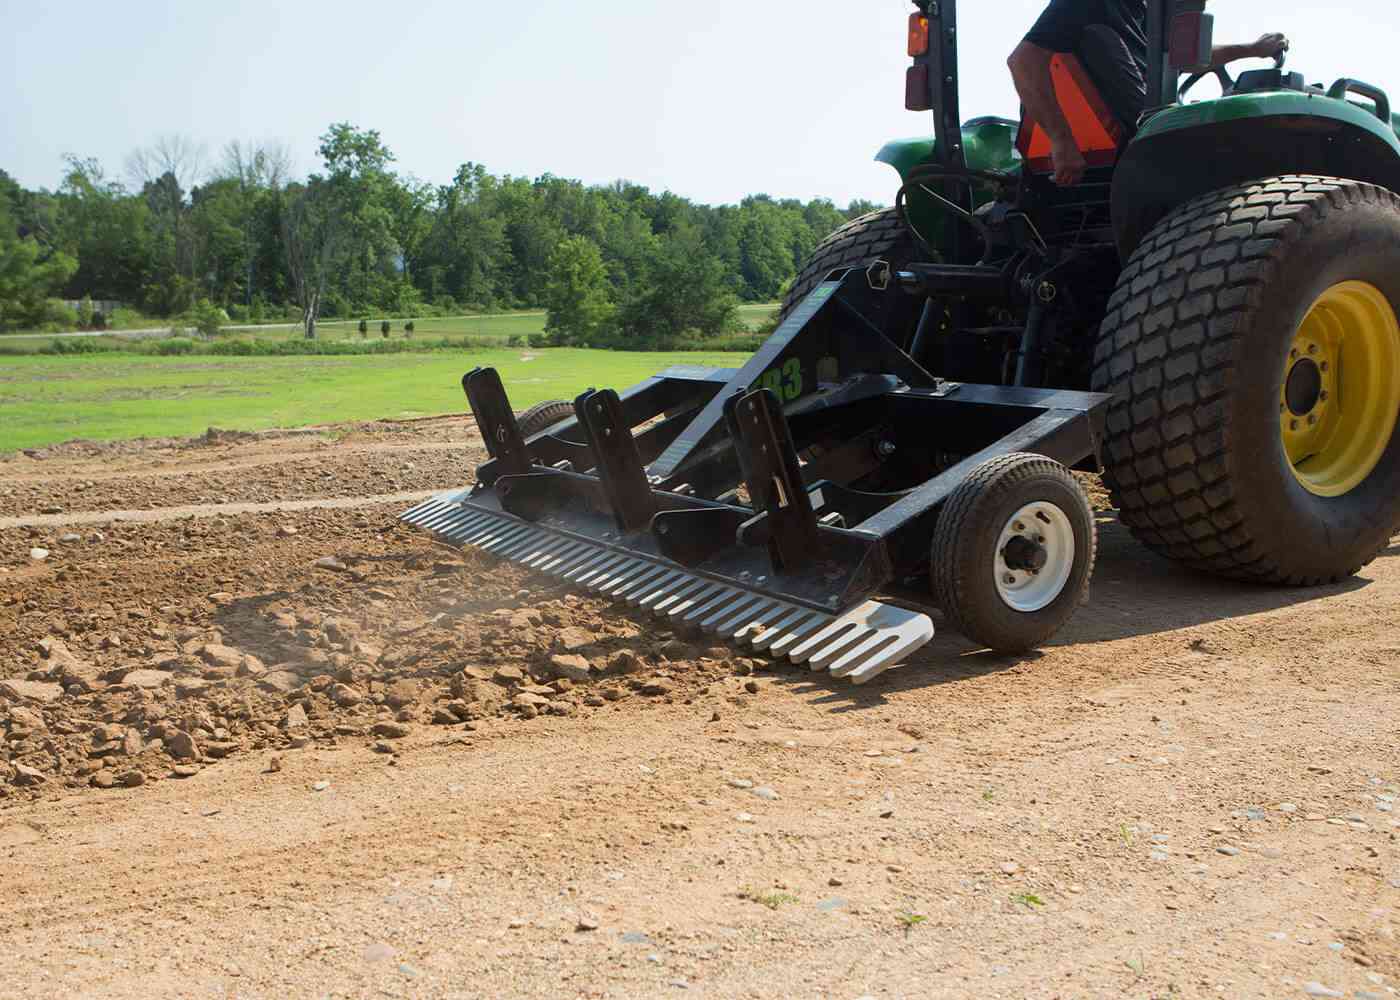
(1099, 134)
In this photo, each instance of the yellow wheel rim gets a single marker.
(1341, 389)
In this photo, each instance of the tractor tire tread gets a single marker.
(543, 415)
(857, 243)
(1166, 352)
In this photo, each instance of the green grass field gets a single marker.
(44, 400)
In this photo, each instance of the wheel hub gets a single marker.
(1303, 391)
(1341, 392)
(1023, 554)
(1034, 557)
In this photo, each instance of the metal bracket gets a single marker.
(496, 420)
(774, 477)
(620, 466)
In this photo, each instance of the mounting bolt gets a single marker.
(1323, 365)
(1322, 396)
(1009, 578)
(1312, 348)
(1047, 292)
(1312, 419)
(886, 448)
(1018, 526)
(1292, 425)
(1293, 354)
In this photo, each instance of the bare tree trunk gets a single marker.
(308, 318)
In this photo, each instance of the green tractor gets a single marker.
(1208, 318)
(1230, 275)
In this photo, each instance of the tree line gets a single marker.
(614, 265)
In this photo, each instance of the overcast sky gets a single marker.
(712, 99)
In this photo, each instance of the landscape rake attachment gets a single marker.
(769, 505)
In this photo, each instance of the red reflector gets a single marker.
(918, 35)
(917, 96)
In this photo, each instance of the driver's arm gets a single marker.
(1267, 47)
(1030, 70)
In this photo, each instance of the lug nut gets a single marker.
(1009, 578)
(1018, 526)
(1312, 348)
(1292, 425)
(1312, 419)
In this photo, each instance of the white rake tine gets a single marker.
(556, 564)
(439, 518)
(796, 634)
(504, 539)
(611, 576)
(851, 638)
(740, 628)
(459, 534)
(530, 543)
(591, 559)
(419, 514)
(553, 546)
(721, 620)
(841, 630)
(776, 631)
(704, 592)
(656, 589)
(649, 572)
(664, 601)
(608, 561)
(726, 597)
(486, 530)
(876, 662)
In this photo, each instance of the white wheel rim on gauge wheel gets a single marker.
(1036, 529)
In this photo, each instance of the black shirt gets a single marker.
(1062, 25)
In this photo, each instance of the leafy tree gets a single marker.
(577, 294)
(27, 275)
(685, 290)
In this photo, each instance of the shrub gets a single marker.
(408, 329)
(124, 319)
(384, 329)
(537, 339)
(515, 340)
(174, 345)
(80, 345)
(99, 319)
(207, 318)
(58, 317)
(85, 313)
(364, 328)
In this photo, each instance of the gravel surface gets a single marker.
(255, 748)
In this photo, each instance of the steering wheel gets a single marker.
(1227, 82)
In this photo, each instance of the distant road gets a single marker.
(164, 331)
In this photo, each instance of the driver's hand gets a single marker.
(1069, 163)
(1270, 46)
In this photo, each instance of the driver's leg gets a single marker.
(1105, 55)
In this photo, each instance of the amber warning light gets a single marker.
(918, 35)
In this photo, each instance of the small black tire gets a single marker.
(860, 242)
(982, 594)
(1195, 349)
(542, 416)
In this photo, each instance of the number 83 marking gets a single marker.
(786, 382)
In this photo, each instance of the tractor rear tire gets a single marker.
(542, 416)
(1013, 551)
(1253, 351)
(858, 243)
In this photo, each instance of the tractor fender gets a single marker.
(988, 144)
(1190, 150)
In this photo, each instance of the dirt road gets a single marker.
(264, 749)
